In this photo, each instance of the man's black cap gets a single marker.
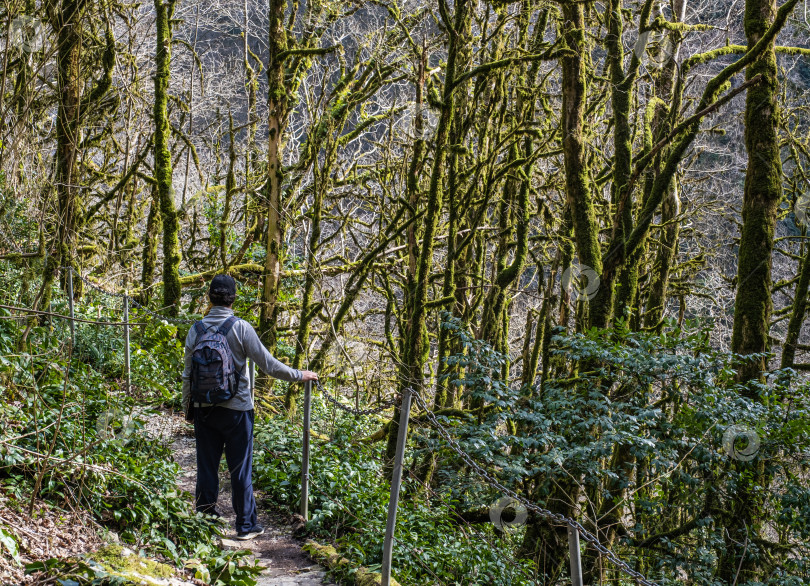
(223, 285)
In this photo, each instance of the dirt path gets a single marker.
(277, 549)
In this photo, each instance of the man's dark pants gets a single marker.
(216, 428)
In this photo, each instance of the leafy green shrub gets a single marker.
(223, 568)
(670, 401)
(9, 545)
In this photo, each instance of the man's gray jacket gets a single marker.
(244, 343)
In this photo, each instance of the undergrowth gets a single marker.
(349, 504)
(75, 439)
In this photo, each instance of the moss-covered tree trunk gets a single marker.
(763, 191)
(753, 303)
(574, 94)
(601, 308)
(514, 214)
(414, 191)
(252, 213)
(671, 205)
(542, 542)
(665, 259)
(619, 280)
(164, 11)
(308, 311)
(67, 24)
(277, 105)
(308, 308)
(230, 190)
(321, 150)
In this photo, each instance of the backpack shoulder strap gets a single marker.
(225, 329)
(199, 327)
(226, 326)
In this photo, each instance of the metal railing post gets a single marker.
(126, 342)
(305, 455)
(573, 551)
(396, 483)
(70, 307)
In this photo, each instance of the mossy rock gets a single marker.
(329, 557)
(124, 563)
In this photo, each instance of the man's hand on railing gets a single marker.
(307, 375)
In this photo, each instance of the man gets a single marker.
(229, 424)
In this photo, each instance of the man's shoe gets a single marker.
(246, 535)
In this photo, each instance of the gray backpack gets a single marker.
(214, 378)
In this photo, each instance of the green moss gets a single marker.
(121, 562)
(661, 23)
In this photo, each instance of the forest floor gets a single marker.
(47, 533)
(278, 550)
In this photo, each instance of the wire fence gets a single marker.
(352, 411)
(574, 527)
(125, 295)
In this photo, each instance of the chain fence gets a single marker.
(555, 518)
(92, 285)
(156, 315)
(136, 304)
